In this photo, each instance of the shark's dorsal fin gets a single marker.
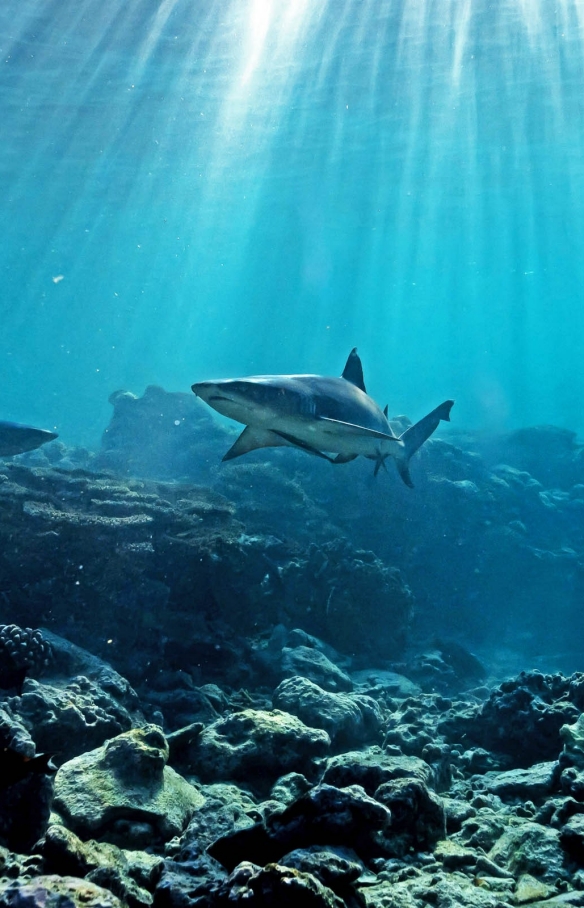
(386, 410)
(353, 370)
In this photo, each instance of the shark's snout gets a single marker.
(204, 389)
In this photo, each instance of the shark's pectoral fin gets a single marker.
(298, 443)
(344, 458)
(251, 439)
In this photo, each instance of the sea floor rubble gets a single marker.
(420, 800)
(253, 691)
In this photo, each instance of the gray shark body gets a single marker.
(320, 415)
(16, 439)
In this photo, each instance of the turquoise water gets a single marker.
(204, 189)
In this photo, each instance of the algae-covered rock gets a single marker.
(573, 740)
(73, 719)
(131, 875)
(257, 746)
(53, 891)
(521, 719)
(124, 793)
(372, 767)
(530, 848)
(532, 784)
(336, 868)
(348, 718)
(311, 663)
(274, 885)
(529, 889)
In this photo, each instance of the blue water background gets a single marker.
(208, 188)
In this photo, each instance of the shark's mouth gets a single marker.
(220, 397)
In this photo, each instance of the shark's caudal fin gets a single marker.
(417, 434)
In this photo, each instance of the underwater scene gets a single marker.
(292, 454)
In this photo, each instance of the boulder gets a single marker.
(349, 719)
(256, 746)
(52, 891)
(372, 767)
(124, 793)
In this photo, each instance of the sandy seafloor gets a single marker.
(281, 682)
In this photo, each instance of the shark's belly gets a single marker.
(326, 437)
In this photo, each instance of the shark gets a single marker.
(329, 417)
(16, 439)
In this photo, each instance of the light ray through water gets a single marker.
(259, 185)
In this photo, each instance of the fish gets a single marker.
(16, 439)
(14, 766)
(330, 417)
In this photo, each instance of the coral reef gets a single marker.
(259, 688)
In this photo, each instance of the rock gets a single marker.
(69, 661)
(446, 667)
(349, 719)
(124, 793)
(456, 813)
(314, 665)
(226, 810)
(71, 720)
(572, 737)
(163, 435)
(17, 865)
(529, 889)
(182, 706)
(290, 787)
(572, 782)
(56, 892)
(572, 838)
(522, 718)
(445, 890)
(533, 784)
(336, 868)
(350, 598)
(418, 817)
(336, 816)
(377, 682)
(326, 813)
(483, 829)
(454, 856)
(189, 884)
(372, 767)
(530, 848)
(454, 891)
(24, 805)
(131, 876)
(274, 886)
(256, 746)
(413, 726)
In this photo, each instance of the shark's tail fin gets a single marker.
(417, 434)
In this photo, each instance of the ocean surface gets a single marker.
(194, 190)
